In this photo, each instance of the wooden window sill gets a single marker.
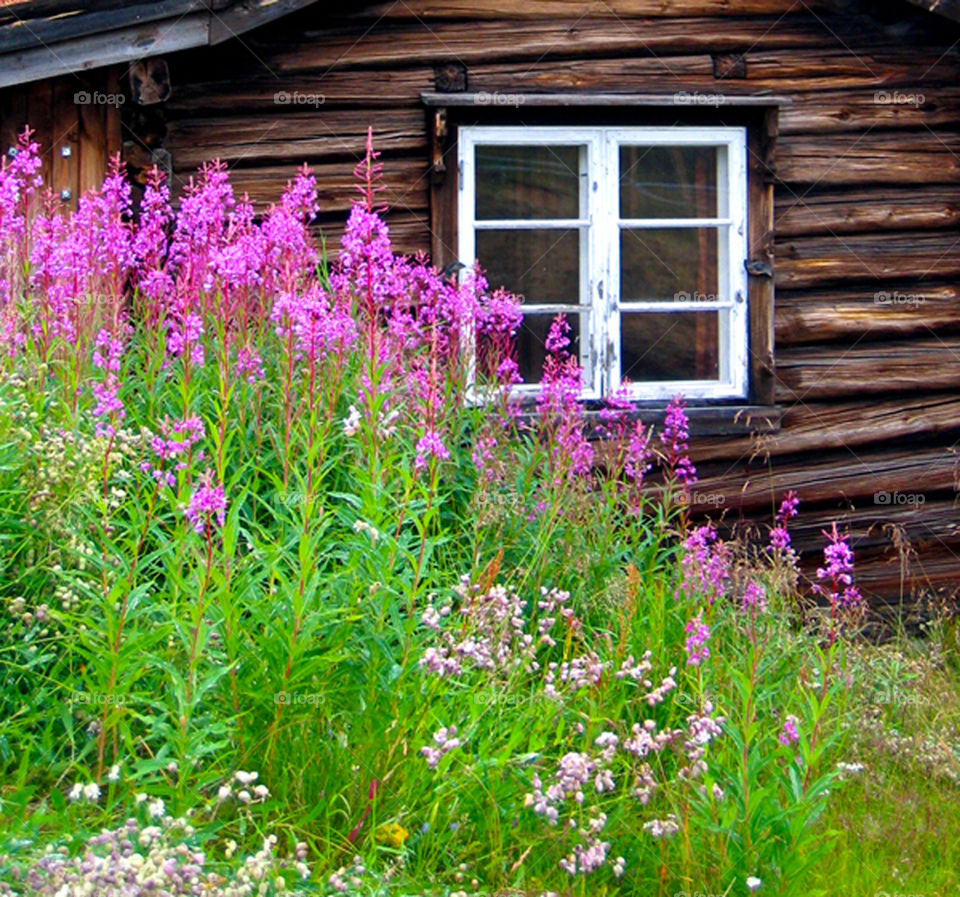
(704, 420)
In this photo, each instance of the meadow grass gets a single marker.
(300, 599)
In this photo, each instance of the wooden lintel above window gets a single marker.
(686, 99)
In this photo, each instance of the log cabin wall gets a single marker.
(867, 205)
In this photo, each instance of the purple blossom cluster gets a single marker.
(575, 773)
(107, 354)
(754, 597)
(207, 505)
(835, 577)
(779, 534)
(704, 565)
(675, 438)
(698, 633)
(174, 443)
(632, 441)
(789, 734)
(559, 408)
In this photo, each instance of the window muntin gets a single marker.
(638, 234)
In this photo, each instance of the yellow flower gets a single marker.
(391, 833)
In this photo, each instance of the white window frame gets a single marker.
(600, 302)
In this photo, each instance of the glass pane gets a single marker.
(533, 337)
(664, 346)
(540, 265)
(670, 264)
(528, 182)
(669, 182)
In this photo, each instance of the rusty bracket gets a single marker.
(437, 138)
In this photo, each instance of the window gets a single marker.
(639, 235)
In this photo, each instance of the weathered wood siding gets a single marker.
(867, 205)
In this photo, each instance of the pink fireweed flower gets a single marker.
(779, 534)
(205, 206)
(696, 645)
(788, 507)
(185, 339)
(704, 565)
(637, 461)
(103, 217)
(675, 438)
(174, 442)
(754, 597)
(498, 319)
(838, 573)
(615, 414)
(633, 453)
(106, 357)
(207, 504)
(107, 351)
(19, 180)
(290, 257)
(483, 456)
(558, 405)
(789, 734)
(430, 445)
(109, 404)
(366, 263)
(249, 364)
(314, 323)
(151, 241)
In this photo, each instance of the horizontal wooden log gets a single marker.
(811, 427)
(881, 521)
(482, 42)
(433, 10)
(262, 94)
(833, 478)
(295, 136)
(882, 259)
(908, 310)
(807, 374)
(824, 112)
(872, 158)
(863, 209)
(405, 183)
(865, 63)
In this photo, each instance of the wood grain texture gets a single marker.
(886, 259)
(294, 137)
(821, 372)
(865, 210)
(808, 427)
(908, 309)
(832, 478)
